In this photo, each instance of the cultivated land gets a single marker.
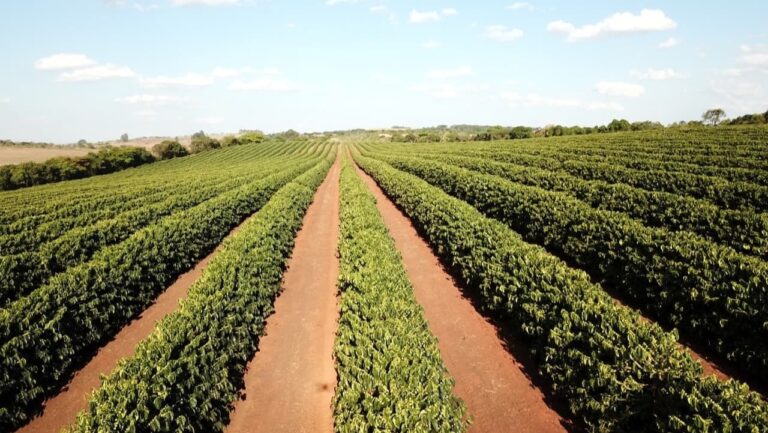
(19, 154)
(612, 283)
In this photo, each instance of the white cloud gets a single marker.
(532, 100)
(139, 6)
(266, 84)
(742, 89)
(64, 61)
(617, 88)
(430, 44)
(5, 100)
(188, 80)
(462, 71)
(648, 20)
(755, 59)
(204, 2)
(501, 33)
(656, 74)
(378, 9)
(520, 5)
(96, 73)
(669, 43)
(417, 17)
(449, 12)
(151, 100)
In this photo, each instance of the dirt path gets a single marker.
(61, 410)
(290, 381)
(494, 385)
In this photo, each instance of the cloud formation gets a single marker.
(97, 73)
(648, 20)
(617, 88)
(501, 33)
(420, 17)
(151, 100)
(64, 61)
(671, 42)
(187, 80)
(520, 6)
(656, 74)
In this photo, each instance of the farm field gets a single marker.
(601, 283)
(19, 154)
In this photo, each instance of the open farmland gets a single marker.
(603, 283)
(19, 154)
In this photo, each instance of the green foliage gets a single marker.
(616, 372)
(201, 143)
(710, 292)
(22, 272)
(741, 230)
(192, 364)
(168, 149)
(230, 140)
(252, 137)
(390, 374)
(65, 168)
(713, 116)
(46, 334)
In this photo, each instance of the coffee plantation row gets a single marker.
(593, 251)
(46, 333)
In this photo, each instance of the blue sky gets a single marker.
(94, 69)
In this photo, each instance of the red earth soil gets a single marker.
(61, 411)
(289, 383)
(499, 394)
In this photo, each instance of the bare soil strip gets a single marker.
(61, 411)
(289, 384)
(500, 395)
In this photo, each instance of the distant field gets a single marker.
(16, 155)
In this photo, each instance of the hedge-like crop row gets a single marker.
(744, 231)
(616, 372)
(95, 193)
(21, 273)
(712, 293)
(648, 162)
(730, 195)
(30, 233)
(186, 375)
(45, 335)
(391, 376)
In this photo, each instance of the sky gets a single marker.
(94, 69)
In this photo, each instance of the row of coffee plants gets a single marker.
(390, 374)
(710, 292)
(616, 372)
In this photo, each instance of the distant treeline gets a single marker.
(443, 133)
(750, 119)
(66, 168)
(487, 133)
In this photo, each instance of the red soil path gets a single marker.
(289, 384)
(499, 394)
(61, 411)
